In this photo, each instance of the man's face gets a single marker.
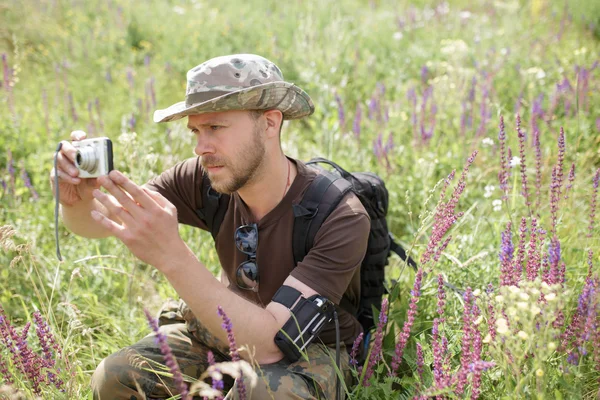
(231, 147)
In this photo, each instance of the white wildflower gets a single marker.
(487, 141)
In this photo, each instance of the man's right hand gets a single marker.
(72, 189)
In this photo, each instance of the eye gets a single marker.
(194, 131)
(214, 127)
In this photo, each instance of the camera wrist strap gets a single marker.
(56, 205)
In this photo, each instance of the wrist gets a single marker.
(181, 258)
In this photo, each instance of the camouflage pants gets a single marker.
(127, 373)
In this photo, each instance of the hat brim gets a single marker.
(292, 101)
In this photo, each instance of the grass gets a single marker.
(104, 66)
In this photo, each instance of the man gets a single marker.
(235, 106)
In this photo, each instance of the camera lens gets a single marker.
(86, 159)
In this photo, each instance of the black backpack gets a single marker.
(320, 199)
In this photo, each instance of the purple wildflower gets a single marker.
(554, 275)
(373, 107)
(537, 112)
(130, 79)
(538, 169)
(217, 384)
(235, 355)
(420, 362)
(50, 348)
(341, 112)
(439, 376)
(477, 345)
(503, 174)
(441, 296)
(571, 179)
(424, 74)
(561, 156)
(524, 189)
(376, 355)
(170, 360)
(593, 203)
(466, 353)
(517, 266)
(491, 314)
(11, 172)
(590, 265)
(389, 144)
(355, 349)
(410, 318)
(28, 185)
(506, 254)
(533, 261)
(6, 75)
(445, 215)
(30, 362)
(356, 122)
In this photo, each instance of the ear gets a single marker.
(274, 119)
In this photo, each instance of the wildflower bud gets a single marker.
(523, 296)
(500, 298)
(501, 322)
(514, 289)
(535, 310)
(550, 297)
(552, 346)
(476, 292)
(522, 335)
(539, 373)
(487, 338)
(534, 292)
(545, 287)
(511, 311)
(478, 320)
(502, 329)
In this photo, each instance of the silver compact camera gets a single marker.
(94, 157)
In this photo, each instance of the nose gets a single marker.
(203, 145)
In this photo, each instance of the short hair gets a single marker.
(256, 114)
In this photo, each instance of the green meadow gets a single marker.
(406, 89)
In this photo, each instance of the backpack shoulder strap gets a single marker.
(320, 199)
(214, 207)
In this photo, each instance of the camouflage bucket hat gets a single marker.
(238, 82)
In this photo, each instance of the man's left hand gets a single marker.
(148, 221)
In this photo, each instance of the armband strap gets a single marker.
(286, 295)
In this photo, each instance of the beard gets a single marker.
(242, 168)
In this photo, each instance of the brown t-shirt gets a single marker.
(331, 267)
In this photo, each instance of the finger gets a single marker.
(114, 207)
(64, 177)
(78, 135)
(66, 158)
(122, 197)
(114, 228)
(136, 192)
(157, 197)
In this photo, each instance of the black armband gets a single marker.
(309, 317)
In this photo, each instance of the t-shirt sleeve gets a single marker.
(182, 185)
(338, 251)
